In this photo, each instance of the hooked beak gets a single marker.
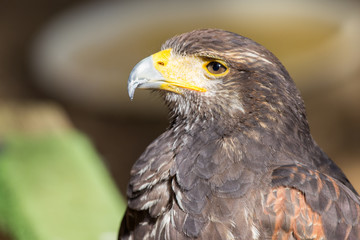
(152, 72)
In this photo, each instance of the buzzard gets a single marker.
(238, 160)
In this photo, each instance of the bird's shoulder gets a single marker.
(309, 204)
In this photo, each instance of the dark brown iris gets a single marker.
(216, 67)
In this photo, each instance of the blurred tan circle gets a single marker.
(85, 55)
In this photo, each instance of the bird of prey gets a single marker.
(238, 160)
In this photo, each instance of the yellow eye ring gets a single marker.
(216, 68)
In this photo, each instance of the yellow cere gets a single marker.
(179, 71)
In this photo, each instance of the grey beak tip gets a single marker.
(131, 91)
(136, 74)
(134, 83)
(144, 75)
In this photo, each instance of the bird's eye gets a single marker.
(216, 67)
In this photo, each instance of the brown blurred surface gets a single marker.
(334, 115)
(118, 139)
(4, 237)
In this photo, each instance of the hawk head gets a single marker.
(224, 79)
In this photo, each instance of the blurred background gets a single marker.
(63, 98)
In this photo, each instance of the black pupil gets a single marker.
(216, 66)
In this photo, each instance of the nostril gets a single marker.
(161, 63)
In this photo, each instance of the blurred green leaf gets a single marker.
(54, 186)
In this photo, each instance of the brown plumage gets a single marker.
(238, 160)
